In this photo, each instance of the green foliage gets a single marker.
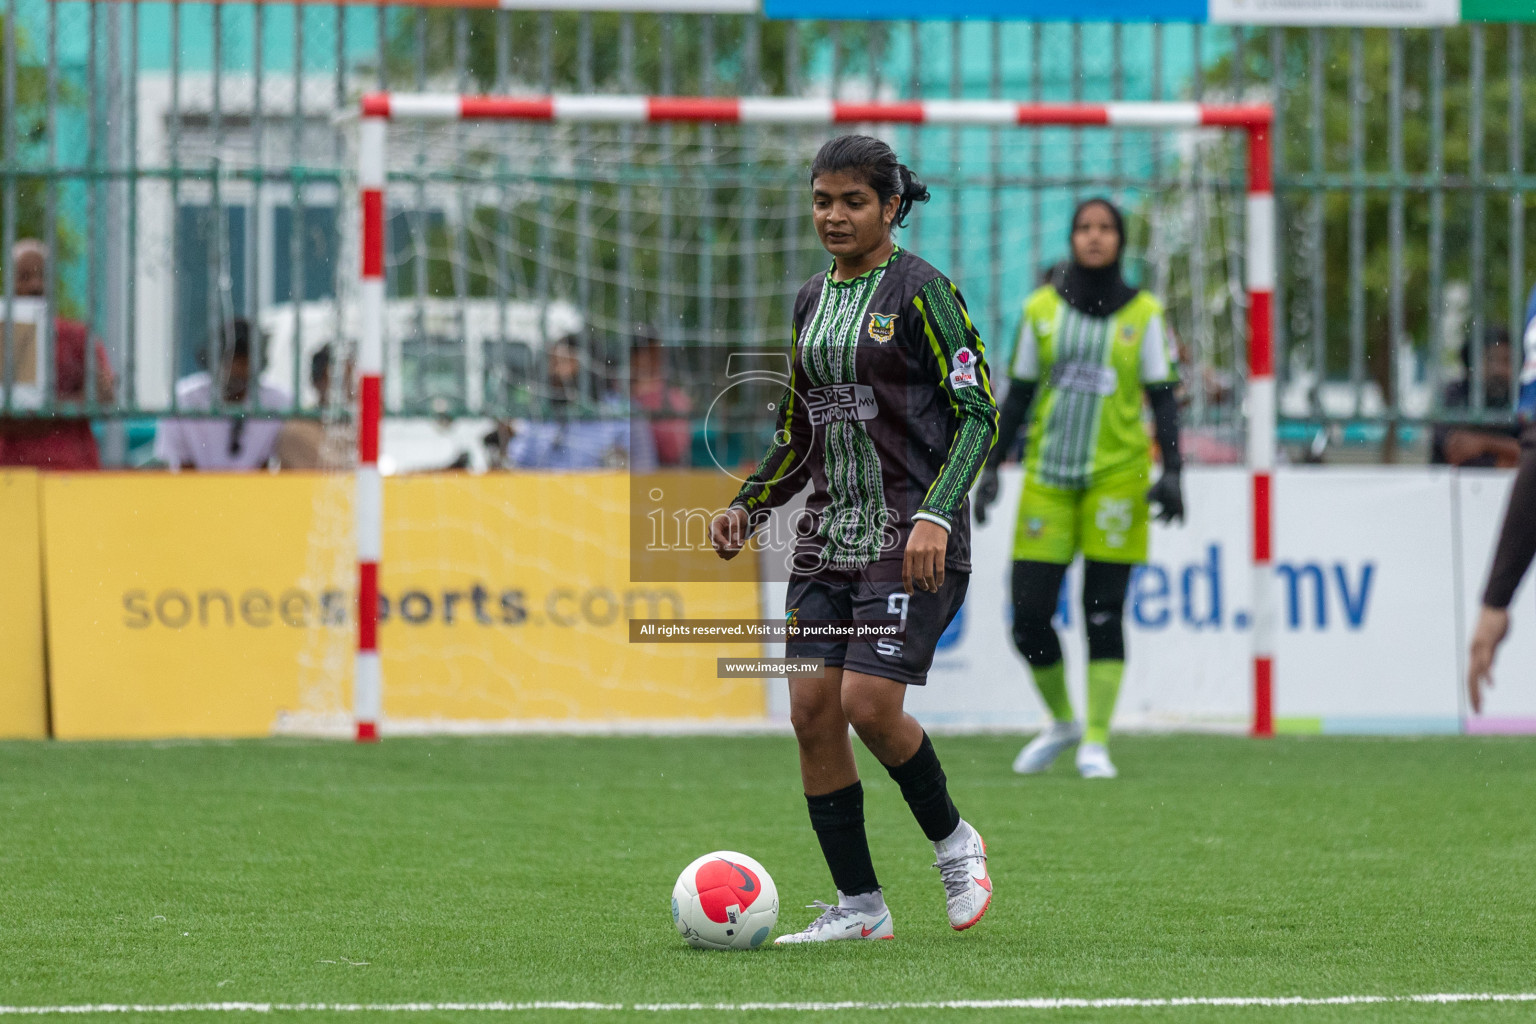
(1318, 159)
(30, 125)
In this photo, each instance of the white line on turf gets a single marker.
(1041, 1003)
(497, 1007)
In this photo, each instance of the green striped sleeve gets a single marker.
(963, 376)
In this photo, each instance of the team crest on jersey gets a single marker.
(964, 373)
(1034, 527)
(792, 617)
(882, 326)
(1127, 332)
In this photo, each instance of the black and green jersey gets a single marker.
(888, 415)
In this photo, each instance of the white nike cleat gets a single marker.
(1042, 751)
(962, 865)
(837, 923)
(1093, 762)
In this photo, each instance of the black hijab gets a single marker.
(1095, 292)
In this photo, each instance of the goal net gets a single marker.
(561, 284)
(699, 232)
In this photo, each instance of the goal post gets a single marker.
(378, 110)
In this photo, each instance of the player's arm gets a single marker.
(956, 345)
(1160, 379)
(776, 479)
(1023, 377)
(955, 342)
(1511, 558)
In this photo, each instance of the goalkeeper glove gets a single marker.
(1169, 497)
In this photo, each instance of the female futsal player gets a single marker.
(889, 417)
(1089, 347)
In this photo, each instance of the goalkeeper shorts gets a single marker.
(1106, 521)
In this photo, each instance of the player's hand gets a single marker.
(986, 493)
(728, 532)
(1168, 495)
(923, 566)
(1492, 628)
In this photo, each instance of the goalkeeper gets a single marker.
(1089, 346)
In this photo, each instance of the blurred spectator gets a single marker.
(1212, 434)
(1527, 400)
(55, 442)
(210, 443)
(301, 443)
(567, 439)
(665, 407)
(1480, 444)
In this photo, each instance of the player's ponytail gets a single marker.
(912, 191)
(875, 162)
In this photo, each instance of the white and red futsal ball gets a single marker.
(725, 900)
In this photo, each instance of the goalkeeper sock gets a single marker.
(1051, 681)
(1103, 688)
(838, 819)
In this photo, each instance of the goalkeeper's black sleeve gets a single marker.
(1015, 411)
(1165, 425)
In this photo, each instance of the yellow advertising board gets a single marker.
(23, 685)
(222, 605)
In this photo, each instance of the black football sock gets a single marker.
(838, 819)
(922, 782)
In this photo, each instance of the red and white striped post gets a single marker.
(367, 684)
(1261, 420)
(1255, 119)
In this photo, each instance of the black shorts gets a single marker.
(860, 597)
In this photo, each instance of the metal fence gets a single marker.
(185, 163)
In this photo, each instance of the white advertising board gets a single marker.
(1377, 578)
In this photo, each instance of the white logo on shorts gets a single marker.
(1114, 517)
(896, 605)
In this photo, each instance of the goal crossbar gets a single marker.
(379, 109)
(788, 111)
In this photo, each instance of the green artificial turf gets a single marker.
(438, 870)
